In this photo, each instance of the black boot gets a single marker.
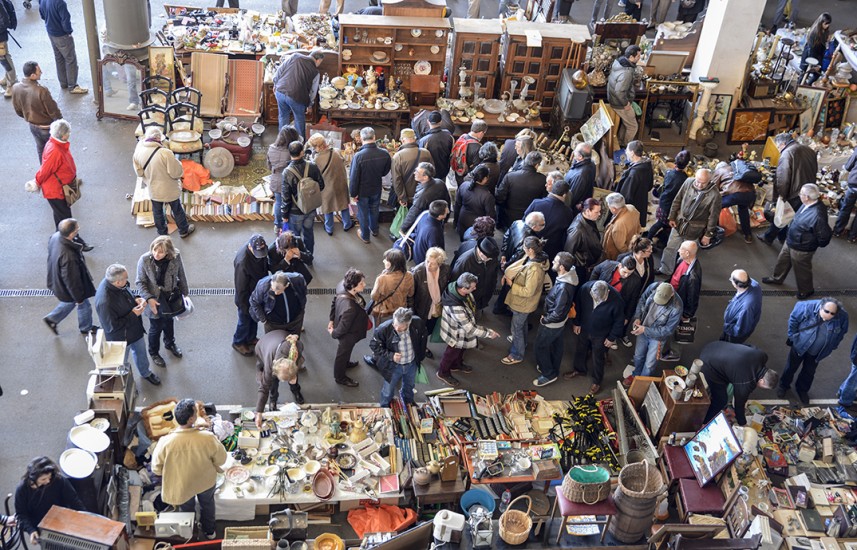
(296, 392)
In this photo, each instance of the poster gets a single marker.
(597, 125)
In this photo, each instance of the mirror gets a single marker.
(119, 80)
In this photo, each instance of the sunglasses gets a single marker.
(827, 311)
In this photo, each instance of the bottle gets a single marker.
(505, 500)
(382, 81)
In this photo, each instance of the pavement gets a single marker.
(44, 376)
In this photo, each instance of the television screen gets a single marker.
(712, 449)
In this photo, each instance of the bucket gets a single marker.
(476, 496)
(636, 498)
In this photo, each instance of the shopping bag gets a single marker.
(285, 227)
(396, 226)
(783, 213)
(435, 334)
(686, 331)
(421, 377)
(727, 221)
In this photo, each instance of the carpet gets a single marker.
(251, 175)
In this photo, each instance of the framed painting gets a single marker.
(748, 126)
(737, 516)
(718, 111)
(833, 113)
(162, 62)
(812, 99)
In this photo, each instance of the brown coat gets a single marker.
(619, 232)
(404, 164)
(33, 103)
(334, 196)
(384, 286)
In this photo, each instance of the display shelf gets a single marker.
(476, 46)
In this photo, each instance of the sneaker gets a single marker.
(190, 229)
(542, 381)
(509, 360)
(626, 342)
(841, 411)
(210, 536)
(671, 357)
(621, 3)
(79, 90)
(51, 325)
(627, 381)
(369, 360)
(158, 360)
(133, 107)
(781, 393)
(629, 370)
(153, 379)
(448, 379)
(538, 368)
(748, 239)
(462, 368)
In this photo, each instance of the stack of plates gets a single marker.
(380, 57)
(88, 438)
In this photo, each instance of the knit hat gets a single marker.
(664, 294)
(435, 117)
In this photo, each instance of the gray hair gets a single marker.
(615, 200)
(478, 125)
(367, 133)
(466, 279)
(281, 278)
(403, 316)
(556, 175)
(60, 129)
(427, 168)
(153, 132)
(782, 138)
(317, 53)
(114, 271)
(599, 291)
(810, 190)
(534, 218)
(583, 150)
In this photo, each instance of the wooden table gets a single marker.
(368, 116)
(439, 492)
(501, 130)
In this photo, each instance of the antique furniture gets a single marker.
(606, 508)
(440, 492)
(683, 416)
(119, 80)
(693, 499)
(476, 47)
(665, 108)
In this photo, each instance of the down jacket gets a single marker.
(163, 173)
(620, 83)
(809, 229)
(68, 277)
(458, 326)
(559, 300)
(666, 322)
(696, 212)
(802, 332)
(115, 311)
(526, 279)
(147, 276)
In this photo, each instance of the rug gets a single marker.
(252, 174)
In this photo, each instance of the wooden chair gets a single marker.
(154, 96)
(567, 509)
(154, 116)
(160, 82)
(674, 465)
(187, 94)
(183, 117)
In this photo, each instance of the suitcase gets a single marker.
(240, 154)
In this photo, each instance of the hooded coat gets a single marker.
(635, 183)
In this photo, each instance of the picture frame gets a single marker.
(784, 499)
(748, 125)
(737, 516)
(799, 496)
(162, 62)
(833, 113)
(813, 99)
(712, 450)
(719, 107)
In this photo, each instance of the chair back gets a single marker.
(182, 112)
(155, 96)
(158, 81)
(153, 116)
(11, 537)
(187, 94)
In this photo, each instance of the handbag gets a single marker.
(783, 213)
(71, 190)
(686, 331)
(172, 305)
(405, 243)
(401, 214)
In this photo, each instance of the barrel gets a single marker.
(636, 498)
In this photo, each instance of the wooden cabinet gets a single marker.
(562, 47)
(683, 416)
(476, 46)
(404, 41)
(270, 109)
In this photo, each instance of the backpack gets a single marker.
(458, 162)
(308, 195)
(745, 172)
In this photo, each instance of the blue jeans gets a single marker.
(329, 219)
(84, 314)
(178, 215)
(404, 374)
(246, 329)
(301, 225)
(848, 389)
(288, 107)
(549, 347)
(367, 214)
(138, 353)
(744, 201)
(646, 355)
(278, 216)
(206, 509)
(519, 334)
(846, 207)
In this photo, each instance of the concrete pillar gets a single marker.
(93, 47)
(725, 43)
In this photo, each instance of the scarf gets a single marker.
(434, 291)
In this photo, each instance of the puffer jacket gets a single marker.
(115, 307)
(809, 229)
(513, 241)
(667, 321)
(162, 174)
(57, 169)
(620, 83)
(348, 314)
(802, 332)
(527, 278)
(696, 212)
(559, 300)
(147, 277)
(798, 165)
(458, 328)
(584, 243)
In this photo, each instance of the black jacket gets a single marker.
(420, 124)
(9, 8)
(742, 366)
(385, 343)
(581, 180)
(433, 190)
(649, 275)
(517, 190)
(249, 270)
(605, 321)
(290, 185)
(277, 261)
(508, 156)
(369, 164)
(558, 217)
(584, 243)
(688, 287)
(809, 229)
(513, 241)
(68, 277)
(673, 180)
(32, 505)
(422, 296)
(487, 272)
(348, 314)
(635, 184)
(493, 175)
(559, 300)
(439, 142)
(115, 311)
(296, 76)
(472, 201)
(632, 286)
(262, 299)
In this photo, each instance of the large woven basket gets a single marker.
(641, 480)
(586, 485)
(515, 525)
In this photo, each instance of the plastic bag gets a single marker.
(435, 334)
(727, 221)
(396, 226)
(421, 377)
(380, 519)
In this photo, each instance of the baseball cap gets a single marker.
(258, 246)
(435, 117)
(663, 294)
(408, 133)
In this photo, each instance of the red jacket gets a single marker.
(56, 162)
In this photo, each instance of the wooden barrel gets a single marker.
(636, 498)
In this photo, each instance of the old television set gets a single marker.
(713, 449)
(65, 529)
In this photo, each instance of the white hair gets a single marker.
(114, 271)
(534, 218)
(367, 133)
(810, 190)
(60, 129)
(153, 132)
(615, 200)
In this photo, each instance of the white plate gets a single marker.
(422, 67)
(416, 33)
(100, 424)
(435, 48)
(391, 105)
(77, 463)
(88, 438)
(674, 381)
(215, 133)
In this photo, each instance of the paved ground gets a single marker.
(44, 376)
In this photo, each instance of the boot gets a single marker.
(296, 392)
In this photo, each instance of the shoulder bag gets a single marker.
(70, 190)
(405, 243)
(172, 303)
(372, 303)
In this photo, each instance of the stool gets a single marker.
(567, 508)
(440, 492)
(693, 499)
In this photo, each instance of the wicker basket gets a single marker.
(586, 485)
(247, 538)
(515, 525)
(641, 480)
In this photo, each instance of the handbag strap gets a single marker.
(328, 162)
(390, 295)
(155, 152)
(407, 234)
(58, 179)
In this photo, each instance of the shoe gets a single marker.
(243, 349)
(448, 379)
(771, 281)
(190, 229)
(671, 357)
(153, 379)
(626, 342)
(347, 229)
(571, 374)
(594, 389)
(352, 365)
(803, 396)
(629, 370)
(748, 239)
(374, 233)
(347, 382)
(781, 393)
(93, 331)
(51, 325)
(841, 411)
(175, 350)
(8, 92)
(509, 360)
(542, 381)
(133, 107)
(761, 237)
(110, 93)
(462, 368)
(369, 360)
(805, 295)
(79, 90)
(538, 368)
(365, 241)
(158, 360)
(88, 248)
(210, 536)
(627, 381)
(429, 354)
(509, 338)
(299, 397)
(329, 233)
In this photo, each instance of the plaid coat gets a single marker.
(458, 326)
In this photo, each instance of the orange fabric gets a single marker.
(727, 221)
(195, 175)
(380, 519)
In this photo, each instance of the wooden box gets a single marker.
(247, 538)
(476, 46)
(683, 416)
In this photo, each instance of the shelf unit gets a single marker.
(423, 90)
(476, 46)
(562, 47)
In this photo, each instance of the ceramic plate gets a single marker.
(479, 114)
(346, 461)
(215, 133)
(77, 463)
(681, 370)
(435, 48)
(464, 119)
(237, 474)
(244, 141)
(422, 67)
(271, 471)
(100, 424)
(512, 117)
(391, 105)
(258, 129)
(416, 33)
(674, 381)
(88, 438)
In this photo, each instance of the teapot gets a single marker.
(433, 467)
(422, 476)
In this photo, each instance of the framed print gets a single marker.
(784, 499)
(718, 111)
(712, 450)
(162, 62)
(833, 113)
(813, 99)
(748, 126)
(737, 516)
